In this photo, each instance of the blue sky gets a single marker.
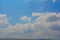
(17, 8)
(32, 17)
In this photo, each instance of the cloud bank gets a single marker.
(45, 26)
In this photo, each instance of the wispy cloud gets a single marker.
(54, 1)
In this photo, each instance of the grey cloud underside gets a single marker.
(46, 25)
(55, 27)
(53, 18)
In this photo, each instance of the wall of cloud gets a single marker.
(46, 25)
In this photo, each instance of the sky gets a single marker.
(31, 19)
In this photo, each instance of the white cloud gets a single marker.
(25, 18)
(49, 18)
(54, 1)
(46, 21)
(3, 19)
(41, 28)
(3, 23)
(36, 14)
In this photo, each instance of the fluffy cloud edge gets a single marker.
(41, 26)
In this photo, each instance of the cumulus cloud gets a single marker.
(46, 25)
(50, 20)
(3, 19)
(3, 22)
(25, 18)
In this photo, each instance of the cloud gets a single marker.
(55, 27)
(46, 25)
(25, 18)
(3, 22)
(54, 1)
(49, 22)
(3, 19)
